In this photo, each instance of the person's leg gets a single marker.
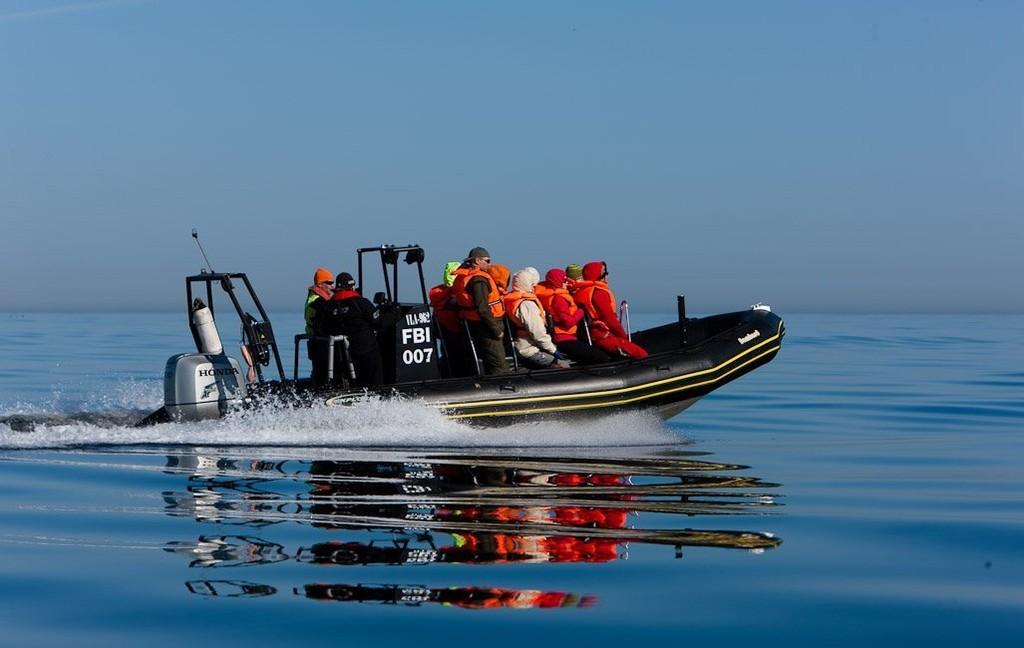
(618, 347)
(582, 353)
(492, 352)
(632, 349)
(317, 350)
(539, 360)
(369, 369)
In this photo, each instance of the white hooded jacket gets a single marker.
(537, 338)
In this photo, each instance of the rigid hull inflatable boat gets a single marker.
(688, 359)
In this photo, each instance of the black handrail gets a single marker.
(228, 287)
(389, 255)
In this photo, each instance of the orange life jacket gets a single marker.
(512, 301)
(464, 298)
(444, 312)
(546, 296)
(584, 296)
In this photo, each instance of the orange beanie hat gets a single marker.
(322, 276)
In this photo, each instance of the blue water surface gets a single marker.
(864, 487)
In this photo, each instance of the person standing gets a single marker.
(595, 297)
(350, 314)
(481, 307)
(321, 291)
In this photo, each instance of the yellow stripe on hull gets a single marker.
(456, 408)
(624, 401)
(612, 392)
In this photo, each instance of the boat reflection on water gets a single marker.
(393, 508)
(473, 598)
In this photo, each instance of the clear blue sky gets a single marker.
(820, 156)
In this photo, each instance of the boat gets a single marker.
(689, 358)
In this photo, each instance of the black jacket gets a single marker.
(354, 317)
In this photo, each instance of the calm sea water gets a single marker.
(866, 486)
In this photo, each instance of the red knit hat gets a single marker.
(555, 278)
(593, 270)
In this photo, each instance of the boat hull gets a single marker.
(687, 361)
(667, 382)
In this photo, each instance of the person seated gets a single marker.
(573, 273)
(446, 311)
(565, 316)
(458, 356)
(321, 291)
(350, 314)
(595, 297)
(532, 342)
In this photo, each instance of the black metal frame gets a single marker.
(208, 278)
(332, 340)
(389, 256)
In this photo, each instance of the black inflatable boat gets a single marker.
(688, 359)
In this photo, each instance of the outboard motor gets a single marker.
(202, 385)
(206, 328)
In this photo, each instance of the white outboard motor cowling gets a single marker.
(202, 386)
(206, 328)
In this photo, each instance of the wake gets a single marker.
(373, 422)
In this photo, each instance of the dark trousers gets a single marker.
(582, 353)
(368, 365)
(489, 349)
(369, 368)
(316, 350)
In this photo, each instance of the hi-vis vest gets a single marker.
(464, 298)
(512, 302)
(310, 311)
(546, 296)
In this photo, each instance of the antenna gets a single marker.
(195, 235)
